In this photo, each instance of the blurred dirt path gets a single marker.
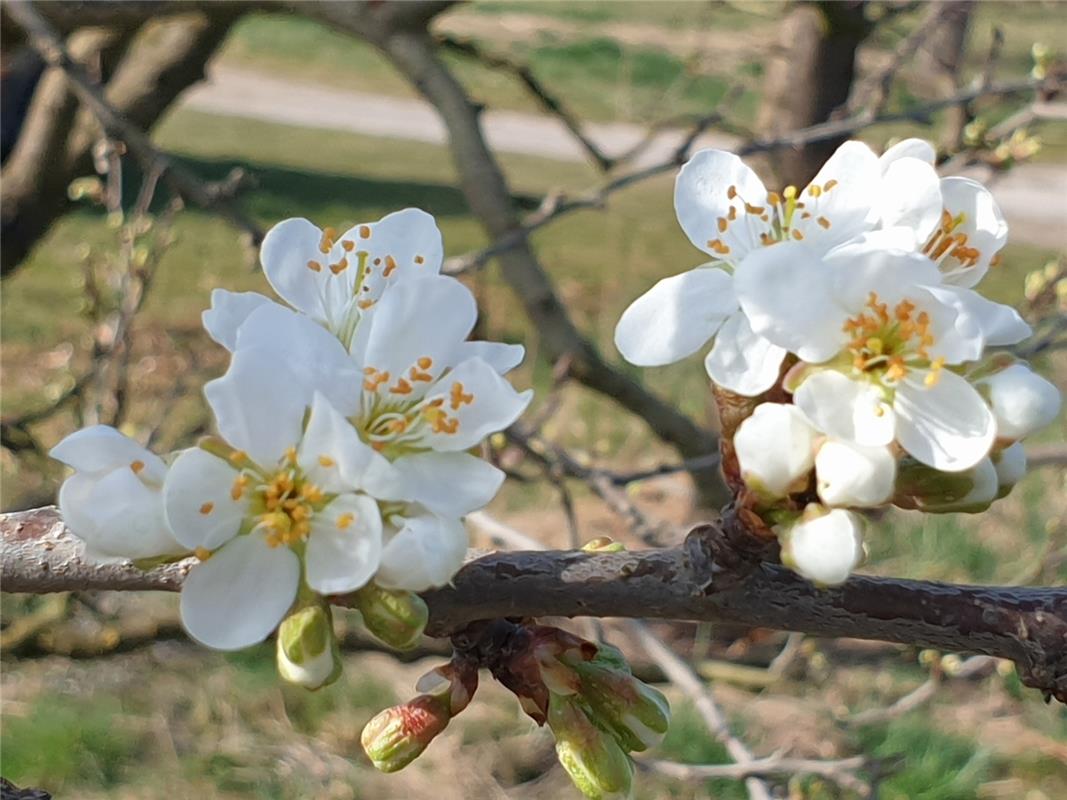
(1033, 196)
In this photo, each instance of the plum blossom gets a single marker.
(970, 231)
(414, 388)
(726, 211)
(875, 318)
(113, 501)
(335, 279)
(276, 507)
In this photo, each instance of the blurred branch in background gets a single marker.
(146, 67)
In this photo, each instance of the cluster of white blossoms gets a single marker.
(855, 298)
(343, 461)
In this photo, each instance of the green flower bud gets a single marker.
(603, 544)
(397, 736)
(635, 713)
(927, 489)
(592, 758)
(397, 618)
(307, 649)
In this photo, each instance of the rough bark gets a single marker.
(809, 75)
(1026, 625)
(164, 60)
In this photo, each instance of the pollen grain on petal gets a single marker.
(345, 521)
(207, 508)
(326, 461)
(137, 466)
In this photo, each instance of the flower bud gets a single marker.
(849, 474)
(396, 617)
(970, 491)
(603, 544)
(775, 448)
(1022, 401)
(824, 545)
(1010, 464)
(635, 713)
(307, 650)
(397, 736)
(594, 760)
(924, 488)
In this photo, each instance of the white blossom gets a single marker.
(875, 318)
(1022, 401)
(112, 502)
(775, 448)
(850, 474)
(726, 211)
(283, 505)
(824, 546)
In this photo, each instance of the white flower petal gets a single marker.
(702, 197)
(74, 506)
(425, 552)
(865, 265)
(500, 356)
(910, 197)
(259, 405)
(848, 474)
(854, 410)
(982, 223)
(450, 484)
(333, 456)
(286, 250)
(480, 400)
(825, 549)
(981, 321)
(129, 518)
(197, 500)
(947, 425)
(316, 360)
(676, 317)
(786, 292)
(775, 448)
(418, 328)
(100, 448)
(401, 246)
(909, 148)
(1010, 464)
(1022, 401)
(228, 312)
(345, 545)
(742, 361)
(844, 198)
(239, 595)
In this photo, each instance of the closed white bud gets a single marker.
(1010, 464)
(775, 448)
(824, 546)
(849, 474)
(306, 650)
(1022, 401)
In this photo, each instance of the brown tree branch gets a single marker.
(1023, 624)
(158, 66)
(545, 98)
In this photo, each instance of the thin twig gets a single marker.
(544, 97)
(211, 197)
(596, 197)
